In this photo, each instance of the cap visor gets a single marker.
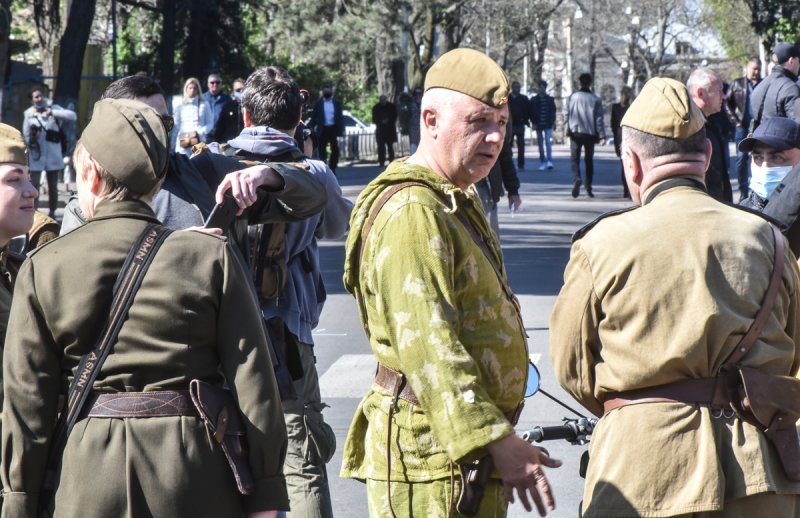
(747, 144)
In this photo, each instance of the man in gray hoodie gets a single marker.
(585, 128)
(272, 109)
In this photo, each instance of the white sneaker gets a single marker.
(549, 164)
(542, 167)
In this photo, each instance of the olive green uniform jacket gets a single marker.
(435, 310)
(662, 293)
(195, 316)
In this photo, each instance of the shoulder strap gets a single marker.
(391, 191)
(127, 284)
(765, 310)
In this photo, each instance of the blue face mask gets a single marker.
(764, 180)
(237, 95)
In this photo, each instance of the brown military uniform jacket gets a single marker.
(663, 293)
(195, 316)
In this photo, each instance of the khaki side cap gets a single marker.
(12, 146)
(665, 109)
(471, 73)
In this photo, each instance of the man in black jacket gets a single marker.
(705, 88)
(739, 111)
(777, 95)
(518, 109)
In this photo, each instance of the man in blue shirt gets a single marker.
(740, 113)
(216, 100)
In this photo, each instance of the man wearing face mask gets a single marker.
(775, 146)
(328, 123)
(775, 170)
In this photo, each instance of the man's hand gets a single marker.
(514, 202)
(602, 142)
(245, 182)
(520, 466)
(213, 231)
(263, 514)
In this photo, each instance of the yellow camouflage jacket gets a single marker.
(435, 310)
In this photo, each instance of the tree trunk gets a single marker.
(200, 57)
(167, 48)
(73, 45)
(5, 48)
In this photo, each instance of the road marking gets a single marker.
(349, 376)
(321, 332)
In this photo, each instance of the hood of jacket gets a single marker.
(262, 140)
(398, 172)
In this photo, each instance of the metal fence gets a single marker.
(364, 148)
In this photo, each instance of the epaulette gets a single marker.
(782, 226)
(589, 226)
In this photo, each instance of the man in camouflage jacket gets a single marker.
(443, 324)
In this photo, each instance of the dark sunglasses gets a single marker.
(214, 82)
(168, 122)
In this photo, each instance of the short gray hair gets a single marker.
(701, 78)
(648, 146)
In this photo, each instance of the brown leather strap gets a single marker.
(391, 379)
(709, 391)
(161, 403)
(765, 311)
(700, 391)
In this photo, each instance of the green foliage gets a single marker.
(731, 19)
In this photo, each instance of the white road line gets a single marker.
(350, 376)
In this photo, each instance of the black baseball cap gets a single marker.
(779, 133)
(783, 51)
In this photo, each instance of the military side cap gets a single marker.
(472, 73)
(778, 133)
(664, 108)
(130, 141)
(12, 146)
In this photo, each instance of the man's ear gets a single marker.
(709, 149)
(633, 166)
(92, 178)
(248, 121)
(428, 118)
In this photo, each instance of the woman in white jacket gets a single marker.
(192, 118)
(41, 130)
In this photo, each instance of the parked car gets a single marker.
(355, 126)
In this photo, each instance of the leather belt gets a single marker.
(390, 379)
(701, 391)
(161, 403)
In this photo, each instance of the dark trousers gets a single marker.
(329, 137)
(742, 163)
(519, 135)
(383, 145)
(586, 142)
(52, 189)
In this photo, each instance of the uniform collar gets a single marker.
(136, 209)
(670, 183)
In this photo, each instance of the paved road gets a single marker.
(536, 246)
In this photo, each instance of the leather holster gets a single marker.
(221, 414)
(771, 403)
